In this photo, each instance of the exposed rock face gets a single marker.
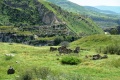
(50, 18)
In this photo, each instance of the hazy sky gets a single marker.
(97, 2)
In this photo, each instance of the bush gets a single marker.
(58, 40)
(35, 73)
(44, 72)
(70, 60)
(27, 75)
(64, 43)
(112, 49)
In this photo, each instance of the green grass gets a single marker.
(28, 57)
(96, 41)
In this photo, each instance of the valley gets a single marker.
(58, 40)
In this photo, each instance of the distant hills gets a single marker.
(110, 8)
(102, 17)
(104, 11)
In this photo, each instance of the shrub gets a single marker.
(35, 73)
(44, 72)
(27, 75)
(58, 40)
(112, 49)
(64, 43)
(70, 60)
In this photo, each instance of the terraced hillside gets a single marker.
(38, 12)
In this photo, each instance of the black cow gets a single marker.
(96, 57)
(10, 70)
(53, 49)
(104, 57)
(77, 50)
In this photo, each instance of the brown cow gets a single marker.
(64, 50)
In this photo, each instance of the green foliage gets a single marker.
(112, 49)
(77, 23)
(71, 60)
(44, 72)
(26, 75)
(58, 40)
(22, 20)
(64, 43)
(35, 73)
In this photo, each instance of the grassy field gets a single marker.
(26, 58)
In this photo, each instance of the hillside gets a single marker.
(39, 63)
(95, 41)
(102, 18)
(21, 21)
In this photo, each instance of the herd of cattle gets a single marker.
(96, 57)
(65, 50)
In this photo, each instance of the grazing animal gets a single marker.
(62, 49)
(69, 50)
(104, 57)
(10, 70)
(53, 49)
(77, 50)
(96, 57)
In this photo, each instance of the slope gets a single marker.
(102, 19)
(22, 21)
(28, 59)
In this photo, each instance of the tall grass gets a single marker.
(112, 49)
(45, 73)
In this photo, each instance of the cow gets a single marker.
(53, 49)
(77, 50)
(10, 70)
(64, 50)
(96, 57)
(104, 57)
(69, 50)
